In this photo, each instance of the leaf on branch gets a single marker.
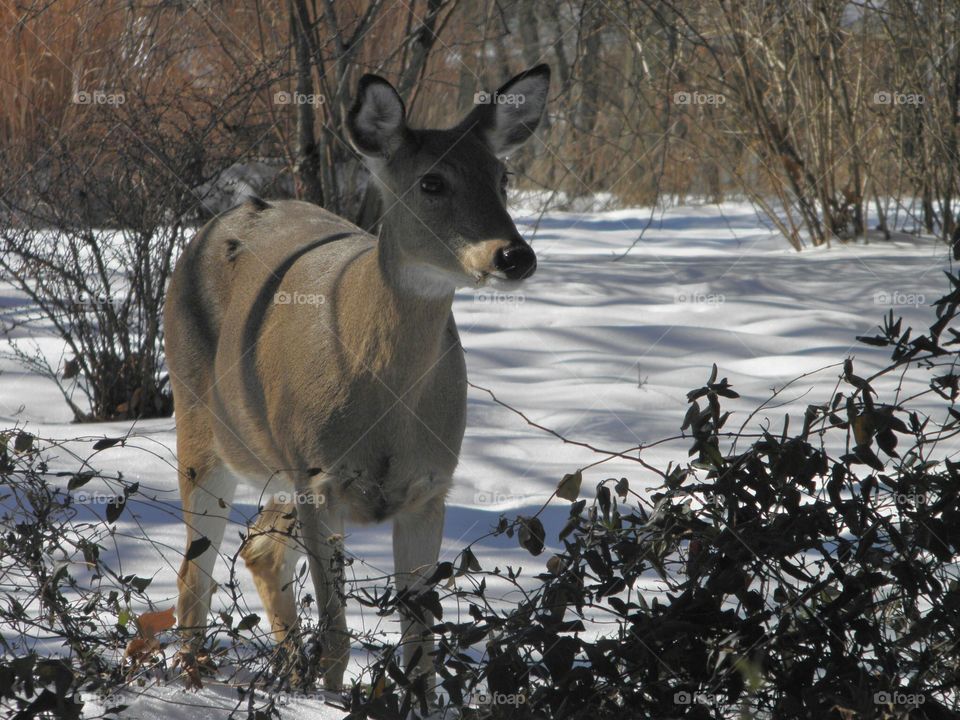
(556, 565)
(603, 500)
(693, 412)
(569, 487)
(623, 487)
(197, 548)
(531, 535)
(249, 622)
(151, 624)
(79, 480)
(862, 429)
(443, 571)
(139, 584)
(468, 563)
(23, 442)
(71, 368)
(104, 443)
(430, 601)
(115, 508)
(147, 644)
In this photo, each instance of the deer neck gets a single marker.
(400, 316)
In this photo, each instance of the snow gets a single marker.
(598, 347)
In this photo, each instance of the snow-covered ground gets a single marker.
(600, 349)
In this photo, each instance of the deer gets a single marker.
(322, 365)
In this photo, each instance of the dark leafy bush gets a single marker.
(811, 574)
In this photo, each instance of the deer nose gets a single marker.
(517, 262)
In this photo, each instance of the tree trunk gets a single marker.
(422, 44)
(591, 25)
(563, 65)
(307, 168)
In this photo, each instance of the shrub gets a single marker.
(74, 625)
(90, 233)
(66, 615)
(812, 574)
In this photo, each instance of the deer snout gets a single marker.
(517, 262)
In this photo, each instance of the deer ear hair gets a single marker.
(508, 118)
(377, 122)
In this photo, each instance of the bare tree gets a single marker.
(308, 154)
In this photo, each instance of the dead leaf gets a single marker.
(152, 624)
(569, 487)
(862, 429)
(193, 666)
(140, 650)
(71, 368)
(23, 442)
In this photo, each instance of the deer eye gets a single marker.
(432, 184)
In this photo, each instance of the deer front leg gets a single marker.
(322, 528)
(416, 547)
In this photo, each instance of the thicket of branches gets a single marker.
(807, 570)
(833, 106)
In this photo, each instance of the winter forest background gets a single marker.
(711, 467)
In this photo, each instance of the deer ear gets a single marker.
(377, 122)
(507, 119)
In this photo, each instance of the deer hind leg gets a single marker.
(207, 491)
(270, 552)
